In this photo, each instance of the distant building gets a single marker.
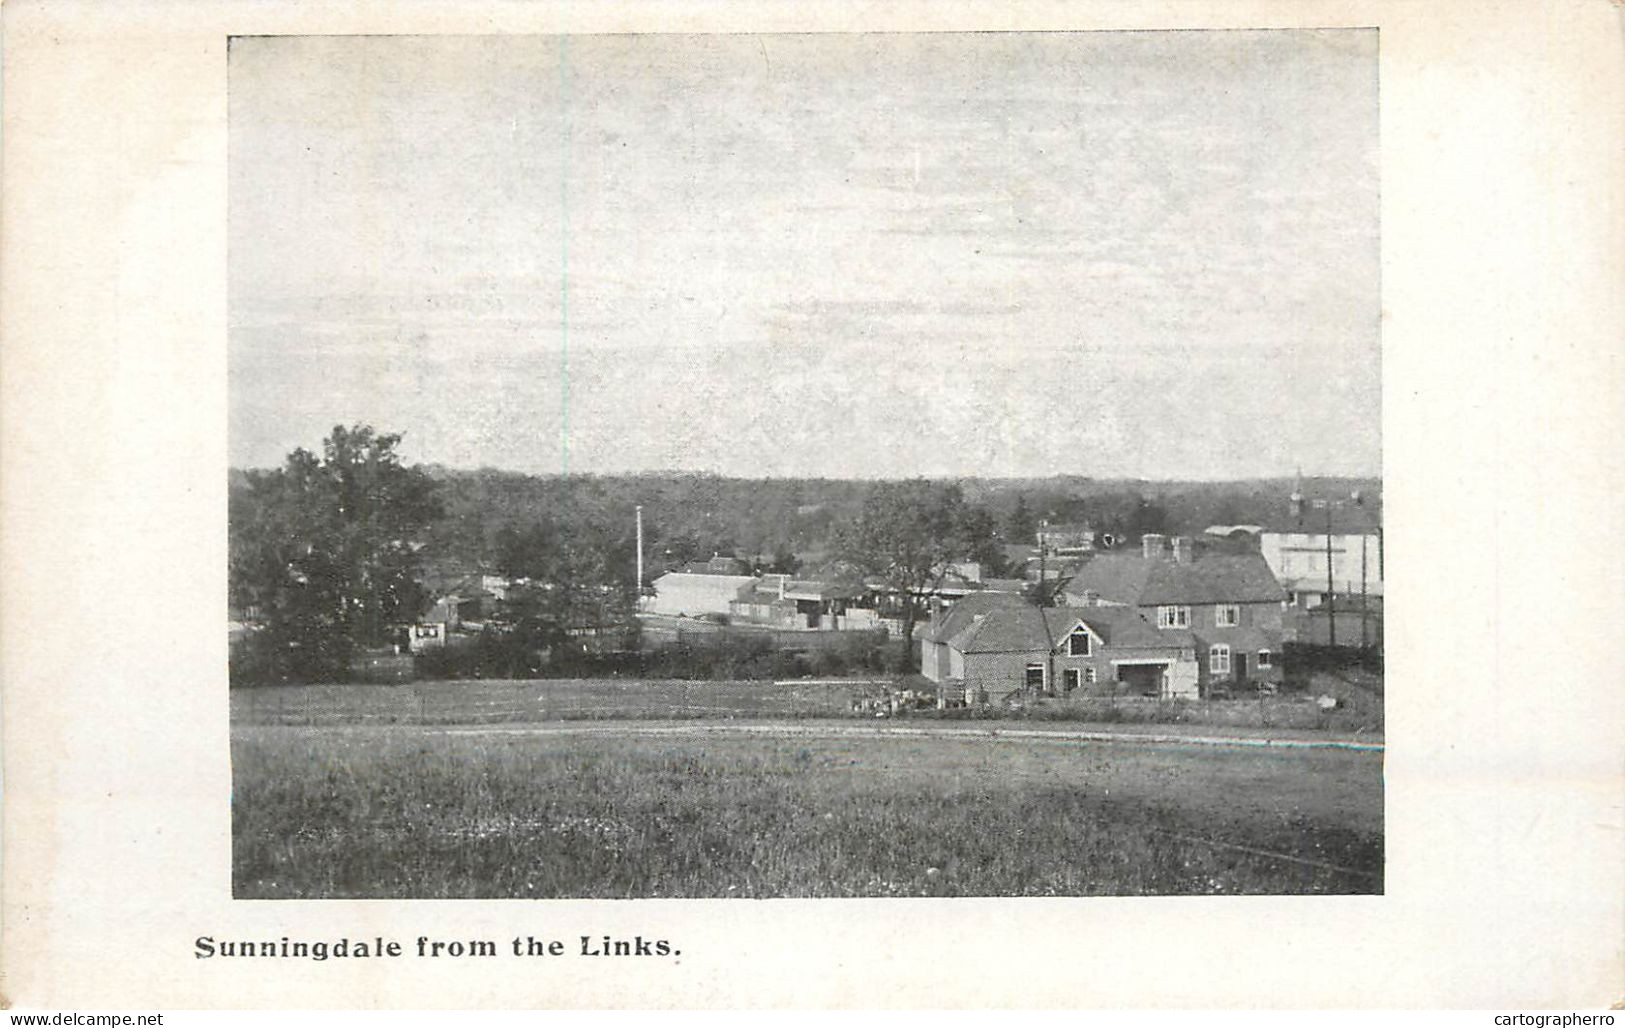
(783, 602)
(1005, 585)
(426, 635)
(1066, 539)
(454, 609)
(1307, 540)
(717, 565)
(680, 593)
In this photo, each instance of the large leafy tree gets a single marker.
(325, 549)
(906, 533)
(579, 570)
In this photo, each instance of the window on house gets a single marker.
(1071, 678)
(1226, 615)
(1089, 675)
(1218, 659)
(1266, 658)
(1077, 644)
(1173, 617)
(1035, 676)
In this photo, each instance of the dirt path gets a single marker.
(787, 730)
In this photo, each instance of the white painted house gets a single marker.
(1300, 549)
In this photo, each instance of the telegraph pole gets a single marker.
(1331, 603)
(638, 583)
(1364, 638)
(1042, 596)
(1331, 586)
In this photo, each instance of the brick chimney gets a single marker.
(1151, 545)
(1184, 549)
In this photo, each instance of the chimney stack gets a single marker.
(1184, 549)
(1151, 545)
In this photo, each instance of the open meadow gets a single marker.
(531, 701)
(685, 809)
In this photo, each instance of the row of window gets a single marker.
(1079, 644)
(1218, 659)
(1225, 615)
(1218, 663)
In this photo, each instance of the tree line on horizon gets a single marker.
(333, 550)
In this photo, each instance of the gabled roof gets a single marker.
(999, 623)
(956, 618)
(1004, 628)
(1117, 627)
(1214, 578)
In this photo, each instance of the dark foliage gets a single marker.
(323, 551)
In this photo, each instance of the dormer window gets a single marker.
(1077, 644)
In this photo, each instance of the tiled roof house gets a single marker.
(994, 644)
(1230, 604)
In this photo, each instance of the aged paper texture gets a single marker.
(1501, 178)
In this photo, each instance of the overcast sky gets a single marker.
(1150, 254)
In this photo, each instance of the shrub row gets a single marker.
(721, 656)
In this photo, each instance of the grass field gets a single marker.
(550, 700)
(526, 701)
(416, 812)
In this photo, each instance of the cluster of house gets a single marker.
(462, 605)
(1174, 617)
(720, 591)
(1179, 618)
(769, 601)
(1159, 622)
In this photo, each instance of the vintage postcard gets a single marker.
(708, 405)
(750, 507)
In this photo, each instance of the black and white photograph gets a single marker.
(739, 505)
(803, 465)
